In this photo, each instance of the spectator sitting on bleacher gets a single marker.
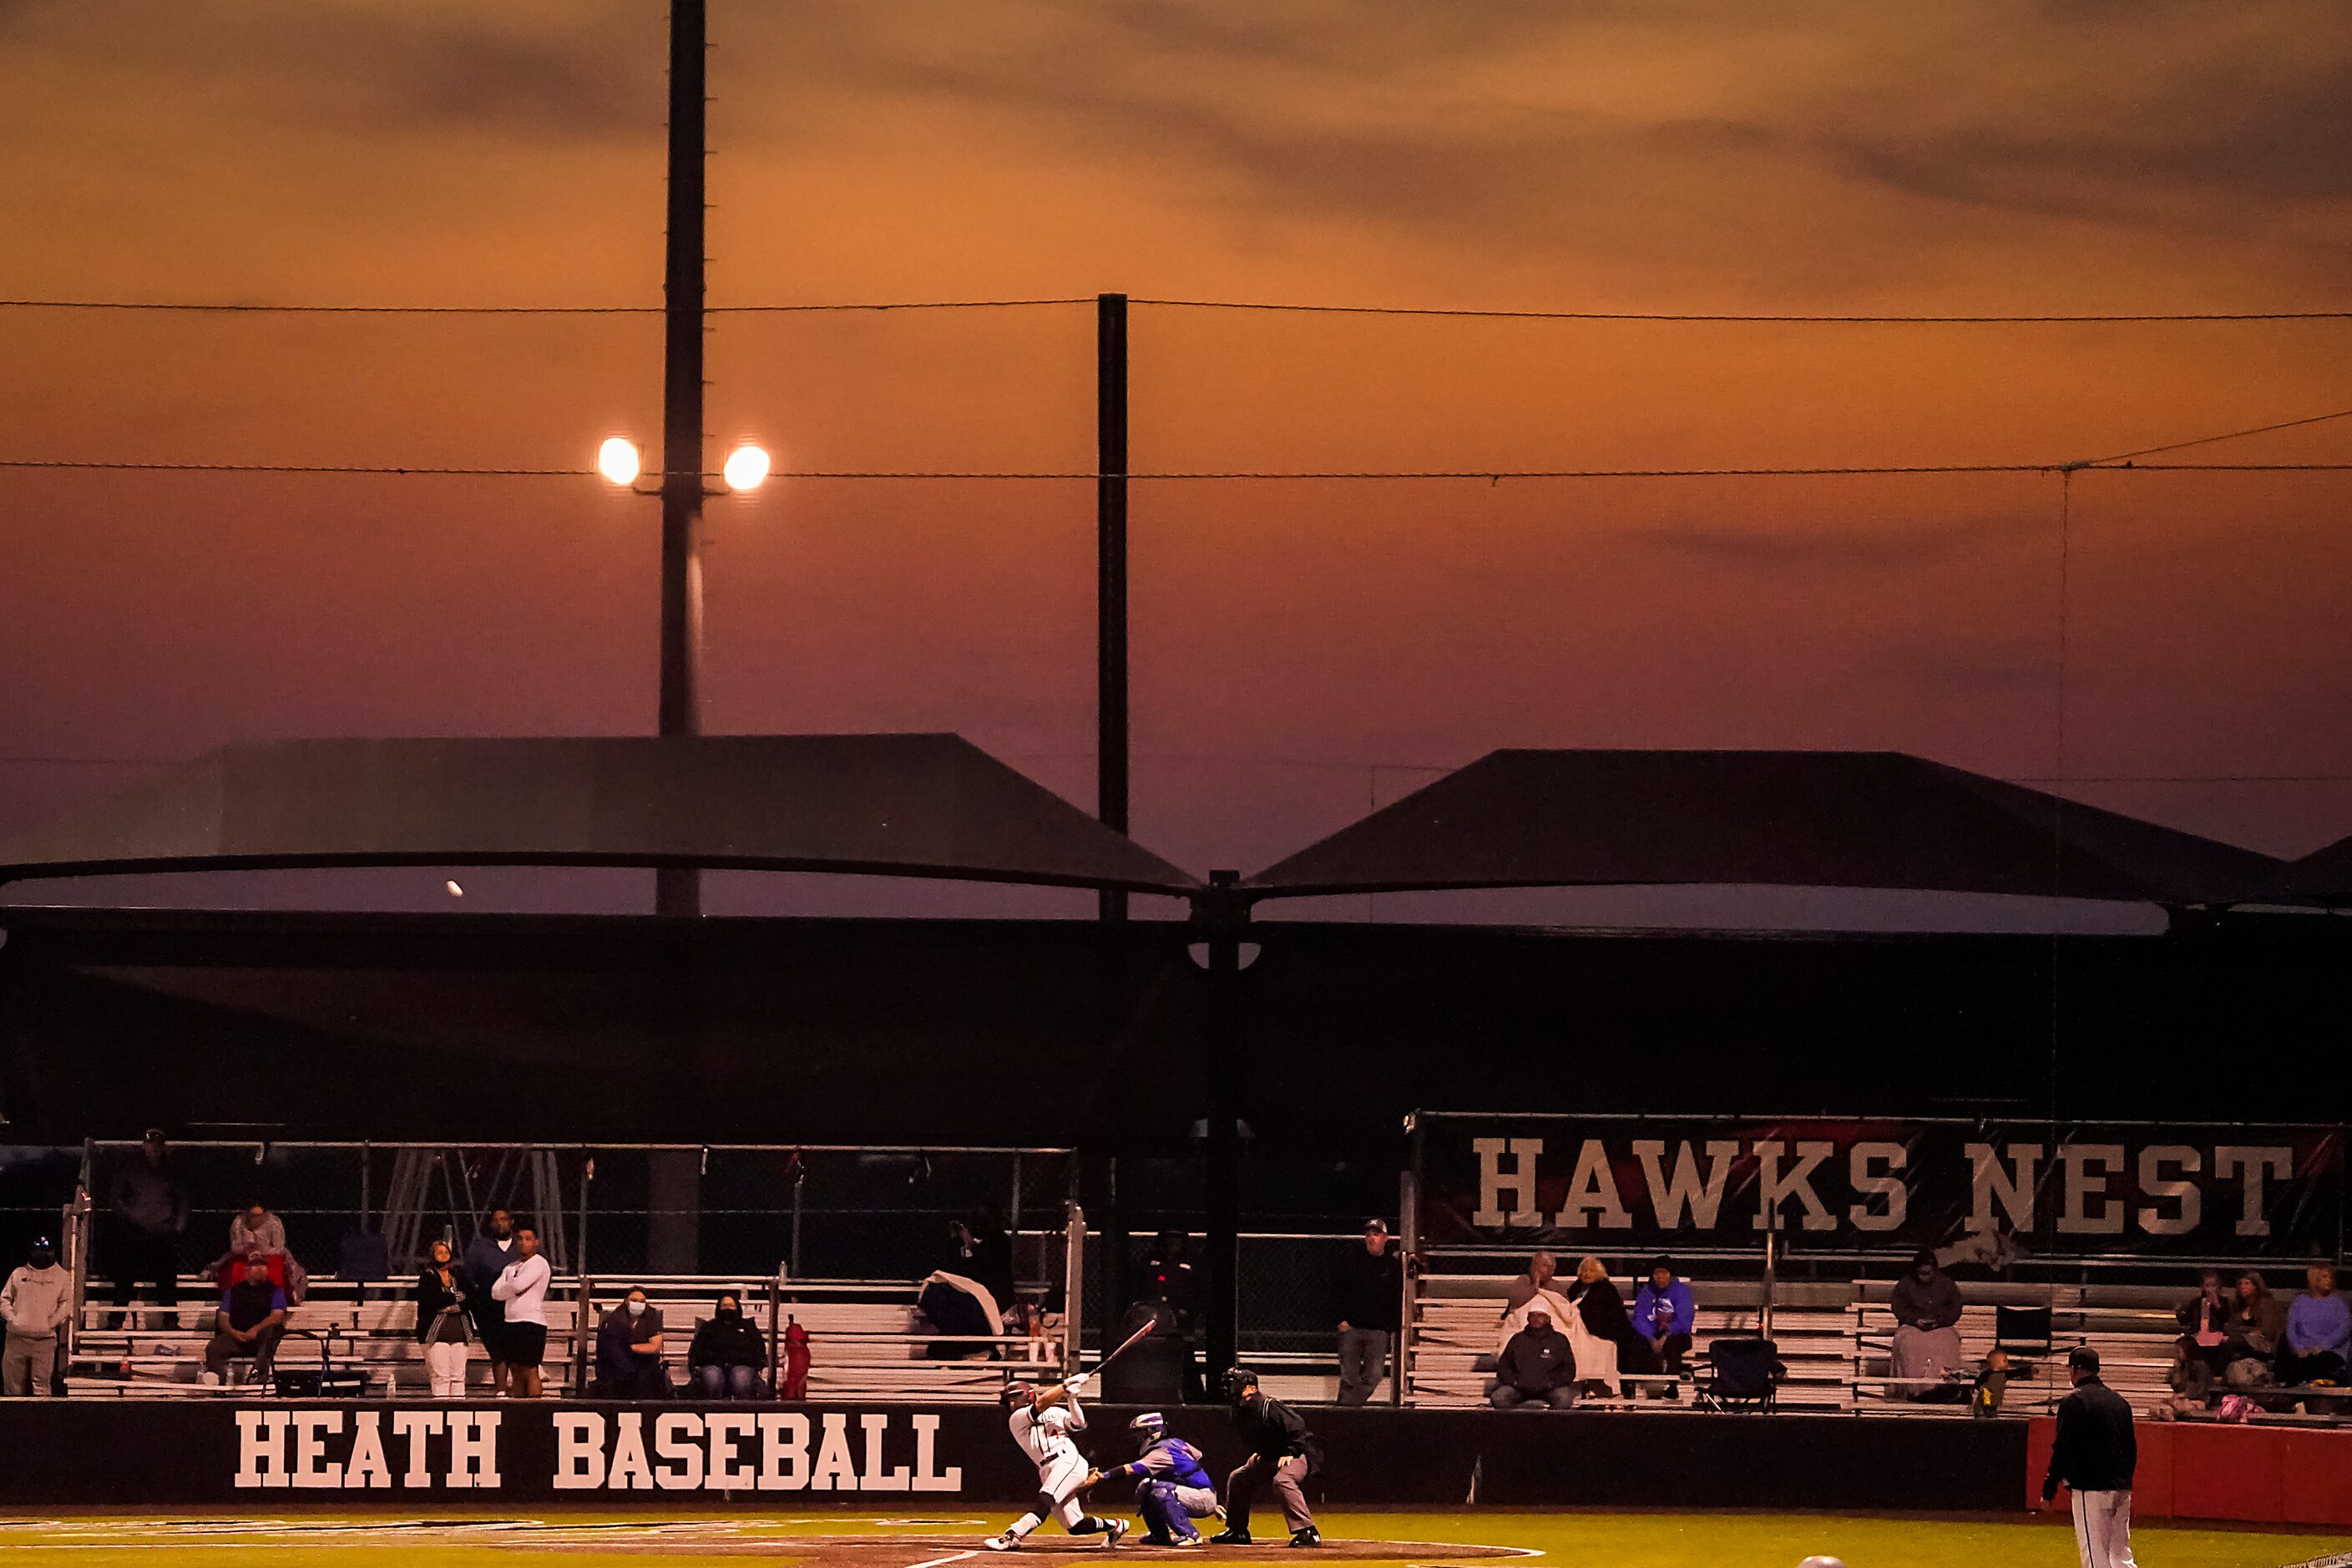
(1606, 1331)
(1664, 1316)
(729, 1355)
(1538, 1287)
(2318, 1331)
(629, 1351)
(2257, 1325)
(254, 1229)
(251, 1320)
(1537, 1369)
(1927, 1348)
(2204, 1343)
(441, 1291)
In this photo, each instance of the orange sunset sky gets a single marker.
(1302, 650)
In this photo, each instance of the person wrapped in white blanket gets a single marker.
(1042, 1420)
(1596, 1358)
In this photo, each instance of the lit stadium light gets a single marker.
(746, 470)
(619, 461)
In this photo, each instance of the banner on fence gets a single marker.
(1972, 1190)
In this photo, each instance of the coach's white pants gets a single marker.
(2103, 1529)
(444, 1368)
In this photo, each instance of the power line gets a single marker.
(421, 471)
(2226, 435)
(1724, 318)
(231, 307)
(1731, 318)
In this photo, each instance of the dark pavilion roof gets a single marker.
(1837, 819)
(905, 806)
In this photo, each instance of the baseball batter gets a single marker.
(1042, 1420)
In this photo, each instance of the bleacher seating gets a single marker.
(866, 1343)
(1834, 1340)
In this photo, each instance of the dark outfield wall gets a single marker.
(839, 1031)
(189, 1454)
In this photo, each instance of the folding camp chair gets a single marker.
(1743, 1373)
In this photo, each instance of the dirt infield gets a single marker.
(938, 1550)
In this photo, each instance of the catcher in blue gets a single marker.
(1042, 1420)
(1171, 1489)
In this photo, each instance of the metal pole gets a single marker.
(1110, 575)
(1222, 915)
(1074, 1288)
(677, 890)
(1409, 1237)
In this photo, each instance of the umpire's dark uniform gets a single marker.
(2096, 1453)
(1281, 1450)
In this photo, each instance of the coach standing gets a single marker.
(1367, 1294)
(2096, 1453)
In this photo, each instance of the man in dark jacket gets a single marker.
(2096, 1453)
(1537, 1369)
(729, 1355)
(1367, 1297)
(150, 1210)
(1282, 1450)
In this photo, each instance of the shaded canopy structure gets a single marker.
(1832, 819)
(899, 806)
(2322, 876)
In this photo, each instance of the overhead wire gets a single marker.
(1718, 318)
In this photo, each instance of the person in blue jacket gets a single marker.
(1171, 1489)
(1663, 1318)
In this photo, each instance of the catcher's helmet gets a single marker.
(1018, 1394)
(1149, 1428)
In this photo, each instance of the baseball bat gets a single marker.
(1143, 1333)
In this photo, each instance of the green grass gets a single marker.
(1570, 1539)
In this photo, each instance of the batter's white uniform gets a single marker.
(1044, 1436)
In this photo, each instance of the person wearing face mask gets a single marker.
(37, 1303)
(729, 1355)
(629, 1351)
(441, 1292)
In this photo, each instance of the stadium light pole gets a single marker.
(677, 890)
(1110, 577)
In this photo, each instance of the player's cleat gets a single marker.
(1008, 1542)
(1191, 1540)
(1116, 1534)
(1230, 1537)
(1310, 1536)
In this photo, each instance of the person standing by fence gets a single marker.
(1367, 1293)
(37, 1303)
(441, 1293)
(2096, 1453)
(522, 1287)
(149, 1210)
(487, 1256)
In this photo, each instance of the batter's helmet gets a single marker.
(1018, 1394)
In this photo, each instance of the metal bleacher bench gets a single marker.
(865, 1342)
(1457, 1318)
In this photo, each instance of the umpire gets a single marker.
(2096, 1453)
(1281, 1450)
